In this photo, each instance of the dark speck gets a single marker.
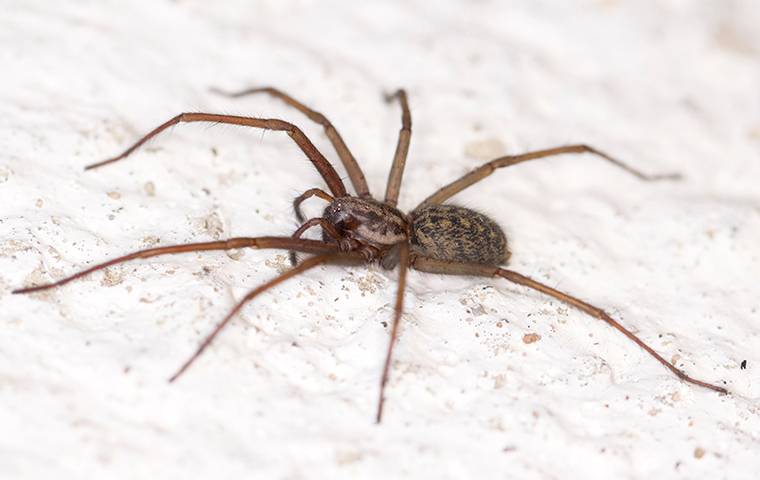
(743, 365)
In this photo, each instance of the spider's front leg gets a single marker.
(347, 158)
(301, 245)
(324, 167)
(326, 252)
(307, 264)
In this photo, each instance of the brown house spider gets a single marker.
(434, 237)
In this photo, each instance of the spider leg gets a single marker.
(444, 267)
(349, 162)
(324, 167)
(305, 265)
(398, 309)
(402, 148)
(488, 168)
(302, 245)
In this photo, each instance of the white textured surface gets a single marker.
(289, 389)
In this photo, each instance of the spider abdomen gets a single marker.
(449, 232)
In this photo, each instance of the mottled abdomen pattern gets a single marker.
(448, 232)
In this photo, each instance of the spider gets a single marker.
(435, 237)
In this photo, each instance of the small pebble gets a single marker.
(531, 337)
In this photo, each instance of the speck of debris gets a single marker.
(5, 173)
(236, 254)
(10, 247)
(368, 283)
(112, 277)
(39, 203)
(150, 240)
(347, 457)
(212, 224)
(150, 189)
(485, 149)
(743, 365)
(279, 263)
(699, 452)
(114, 195)
(531, 338)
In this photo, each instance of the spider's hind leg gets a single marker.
(457, 268)
(485, 170)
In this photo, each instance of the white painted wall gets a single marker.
(289, 389)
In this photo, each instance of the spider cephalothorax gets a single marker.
(369, 226)
(435, 237)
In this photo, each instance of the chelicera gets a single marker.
(435, 237)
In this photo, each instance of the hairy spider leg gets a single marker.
(324, 167)
(352, 167)
(488, 168)
(301, 245)
(397, 311)
(455, 268)
(302, 267)
(402, 148)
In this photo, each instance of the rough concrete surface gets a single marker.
(490, 380)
